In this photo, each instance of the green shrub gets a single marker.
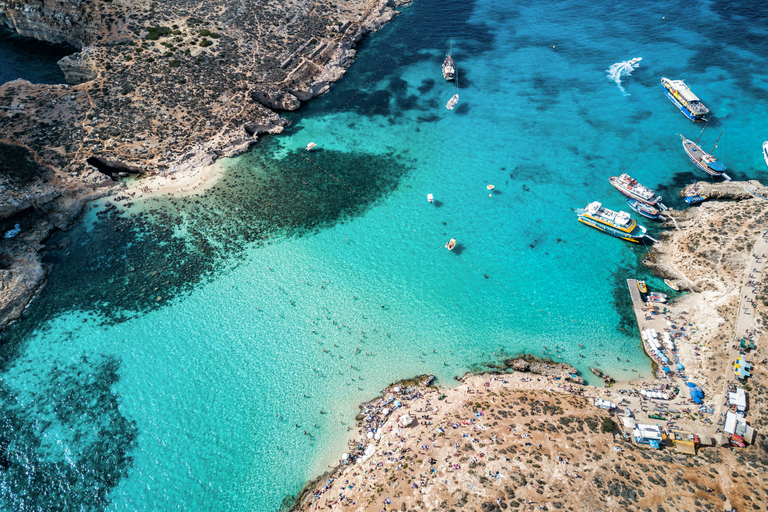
(150, 59)
(205, 32)
(215, 35)
(155, 33)
(608, 425)
(176, 32)
(174, 63)
(206, 42)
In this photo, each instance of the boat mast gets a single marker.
(702, 132)
(718, 138)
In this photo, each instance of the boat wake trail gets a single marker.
(621, 69)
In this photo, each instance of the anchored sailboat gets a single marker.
(449, 69)
(703, 160)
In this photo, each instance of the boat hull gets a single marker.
(630, 237)
(617, 183)
(765, 152)
(695, 154)
(682, 108)
(632, 203)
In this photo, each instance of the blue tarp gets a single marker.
(666, 369)
(696, 399)
(699, 392)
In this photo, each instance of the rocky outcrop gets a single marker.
(80, 67)
(559, 371)
(727, 190)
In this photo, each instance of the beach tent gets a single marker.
(730, 423)
(705, 440)
(405, 420)
(629, 423)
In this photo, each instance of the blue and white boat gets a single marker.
(703, 160)
(681, 96)
(695, 199)
(618, 224)
(644, 209)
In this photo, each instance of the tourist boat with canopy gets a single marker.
(449, 68)
(634, 190)
(703, 160)
(681, 96)
(645, 210)
(618, 224)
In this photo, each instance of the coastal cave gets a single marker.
(111, 168)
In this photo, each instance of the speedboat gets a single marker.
(657, 297)
(451, 244)
(310, 146)
(642, 287)
(671, 285)
(765, 152)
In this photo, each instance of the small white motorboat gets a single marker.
(430, 198)
(311, 146)
(765, 152)
(452, 102)
(451, 244)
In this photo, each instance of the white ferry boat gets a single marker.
(634, 190)
(618, 224)
(681, 96)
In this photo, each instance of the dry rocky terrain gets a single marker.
(156, 87)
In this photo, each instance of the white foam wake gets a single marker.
(621, 69)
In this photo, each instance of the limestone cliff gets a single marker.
(161, 86)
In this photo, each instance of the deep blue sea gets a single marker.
(175, 358)
(23, 57)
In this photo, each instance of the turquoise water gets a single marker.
(172, 355)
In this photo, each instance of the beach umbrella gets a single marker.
(666, 369)
(370, 435)
(345, 456)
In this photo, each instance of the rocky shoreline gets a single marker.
(460, 448)
(162, 90)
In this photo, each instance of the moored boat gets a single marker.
(449, 68)
(765, 152)
(451, 244)
(695, 199)
(681, 96)
(703, 160)
(618, 224)
(644, 209)
(671, 285)
(634, 190)
(310, 146)
(430, 198)
(642, 287)
(657, 297)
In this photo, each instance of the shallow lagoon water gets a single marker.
(262, 312)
